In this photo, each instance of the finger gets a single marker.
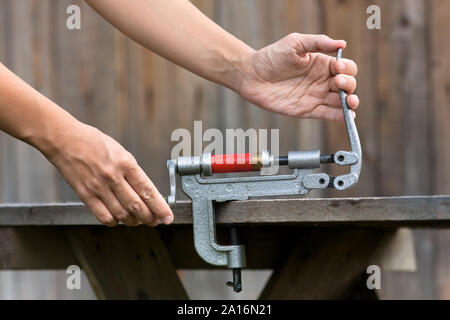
(116, 208)
(328, 113)
(332, 99)
(145, 188)
(318, 43)
(101, 212)
(344, 66)
(353, 101)
(344, 82)
(134, 204)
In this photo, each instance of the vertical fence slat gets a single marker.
(440, 95)
(360, 46)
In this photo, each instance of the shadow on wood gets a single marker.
(126, 263)
(325, 264)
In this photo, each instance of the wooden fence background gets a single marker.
(138, 98)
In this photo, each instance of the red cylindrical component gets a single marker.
(241, 162)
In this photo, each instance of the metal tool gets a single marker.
(205, 191)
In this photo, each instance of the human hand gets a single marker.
(107, 178)
(296, 77)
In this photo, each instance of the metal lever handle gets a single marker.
(353, 158)
(172, 168)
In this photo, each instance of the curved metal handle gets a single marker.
(353, 158)
(171, 198)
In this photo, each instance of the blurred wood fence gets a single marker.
(138, 98)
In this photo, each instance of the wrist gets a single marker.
(50, 133)
(237, 67)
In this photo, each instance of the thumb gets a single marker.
(317, 43)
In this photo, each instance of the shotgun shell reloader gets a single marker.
(204, 191)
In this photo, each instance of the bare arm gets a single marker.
(178, 31)
(22, 111)
(293, 76)
(105, 176)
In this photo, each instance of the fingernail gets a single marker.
(354, 114)
(167, 219)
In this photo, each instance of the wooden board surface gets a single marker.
(422, 210)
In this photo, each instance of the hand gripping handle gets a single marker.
(354, 157)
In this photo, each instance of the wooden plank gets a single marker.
(35, 248)
(440, 76)
(413, 67)
(403, 62)
(46, 247)
(441, 257)
(3, 32)
(420, 210)
(18, 60)
(120, 262)
(126, 264)
(391, 177)
(266, 247)
(326, 264)
(67, 72)
(360, 48)
(27, 50)
(440, 95)
(414, 39)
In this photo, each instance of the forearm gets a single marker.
(179, 32)
(29, 116)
